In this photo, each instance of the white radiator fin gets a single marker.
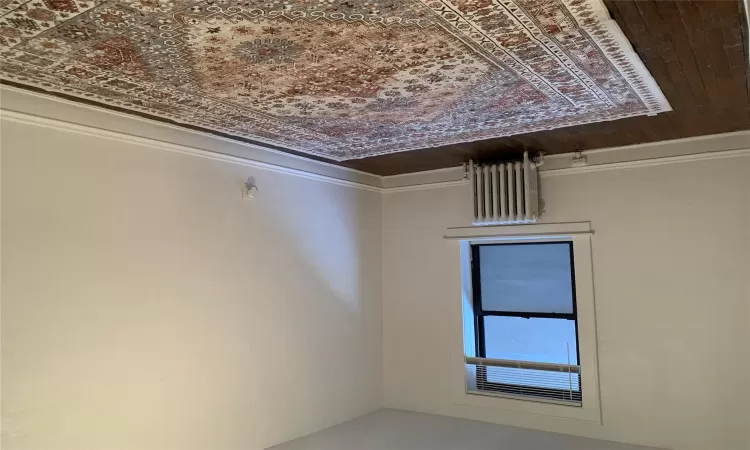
(504, 193)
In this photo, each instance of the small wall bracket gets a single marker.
(579, 160)
(538, 159)
(249, 189)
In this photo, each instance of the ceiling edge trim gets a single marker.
(722, 154)
(717, 146)
(713, 147)
(419, 187)
(435, 176)
(46, 106)
(23, 118)
(45, 110)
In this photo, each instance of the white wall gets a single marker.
(671, 255)
(146, 305)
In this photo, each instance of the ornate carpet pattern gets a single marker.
(340, 79)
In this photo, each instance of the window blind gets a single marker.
(557, 383)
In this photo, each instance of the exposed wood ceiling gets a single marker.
(697, 51)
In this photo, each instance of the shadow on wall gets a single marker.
(328, 227)
(155, 312)
(305, 256)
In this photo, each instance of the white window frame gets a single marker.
(579, 234)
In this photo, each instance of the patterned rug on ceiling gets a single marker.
(340, 79)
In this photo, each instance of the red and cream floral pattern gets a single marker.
(340, 79)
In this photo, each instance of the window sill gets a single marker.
(508, 402)
(525, 398)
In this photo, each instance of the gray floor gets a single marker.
(389, 429)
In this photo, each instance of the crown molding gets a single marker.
(414, 180)
(716, 146)
(13, 116)
(421, 186)
(47, 111)
(648, 153)
(79, 117)
(721, 154)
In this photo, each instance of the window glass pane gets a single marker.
(537, 340)
(526, 277)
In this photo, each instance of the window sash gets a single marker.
(515, 252)
(527, 315)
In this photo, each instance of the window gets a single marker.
(525, 321)
(530, 288)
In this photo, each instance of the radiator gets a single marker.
(505, 193)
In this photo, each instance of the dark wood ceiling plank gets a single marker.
(687, 67)
(722, 69)
(694, 26)
(663, 52)
(630, 18)
(735, 48)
